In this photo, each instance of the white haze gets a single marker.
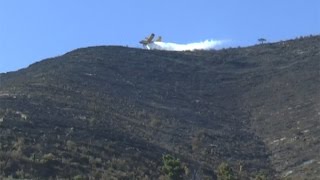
(204, 45)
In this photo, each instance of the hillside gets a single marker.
(112, 112)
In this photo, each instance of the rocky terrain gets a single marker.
(112, 112)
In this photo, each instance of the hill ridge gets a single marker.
(114, 111)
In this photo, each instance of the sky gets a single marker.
(33, 30)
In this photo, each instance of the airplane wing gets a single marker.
(149, 40)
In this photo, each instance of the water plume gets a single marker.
(204, 45)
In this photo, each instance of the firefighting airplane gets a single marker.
(149, 40)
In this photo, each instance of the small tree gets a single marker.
(225, 172)
(172, 167)
(262, 40)
(260, 176)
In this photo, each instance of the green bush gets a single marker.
(225, 172)
(260, 176)
(172, 167)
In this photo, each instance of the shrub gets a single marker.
(260, 176)
(172, 167)
(48, 157)
(225, 172)
(79, 177)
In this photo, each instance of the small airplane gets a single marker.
(149, 40)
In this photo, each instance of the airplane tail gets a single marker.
(159, 39)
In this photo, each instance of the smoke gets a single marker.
(204, 45)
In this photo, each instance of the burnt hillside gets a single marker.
(113, 112)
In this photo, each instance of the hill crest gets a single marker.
(114, 111)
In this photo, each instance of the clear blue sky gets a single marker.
(32, 30)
